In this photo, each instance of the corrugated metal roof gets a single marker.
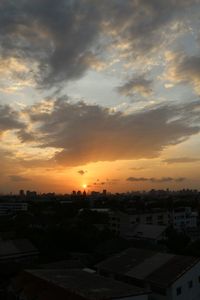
(172, 270)
(151, 264)
(162, 269)
(125, 261)
(87, 285)
(16, 247)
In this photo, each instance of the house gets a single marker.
(169, 276)
(73, 285)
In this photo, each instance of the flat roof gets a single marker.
(147, 231)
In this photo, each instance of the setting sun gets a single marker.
(126, 117)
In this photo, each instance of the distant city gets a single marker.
(136, 245)
(84, 192)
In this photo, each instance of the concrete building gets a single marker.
(31, 195)
(121, 223)
(73, 285)
(9, 208)
(181, 219)
(169, 276)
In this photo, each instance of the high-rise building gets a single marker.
(21, 193)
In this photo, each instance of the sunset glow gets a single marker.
(99, 95)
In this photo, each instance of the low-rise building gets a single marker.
(18, 250)
(121, 223)
(181, 219)
(9, 208)
(73, 285)
(169, 276)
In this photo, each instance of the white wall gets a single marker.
(186, 293)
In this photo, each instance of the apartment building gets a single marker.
(181, 219)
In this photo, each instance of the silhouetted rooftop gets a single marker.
(90, 286)
(15, 248)
(162, 269)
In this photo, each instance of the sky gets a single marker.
(99, 95)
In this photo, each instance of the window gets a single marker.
(178, 291)
(190, 284)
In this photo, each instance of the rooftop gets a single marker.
(15, 248)
(87, 285)
(63, 264)
(162, 269)
(147, 231)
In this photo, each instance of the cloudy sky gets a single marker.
(99, 93)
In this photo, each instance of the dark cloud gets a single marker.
(26, 136)
(144, 25)
(18, 178)
(108, 182)
(156, 180)
(137, 168)
(184, 69)
(58, 36)
(181, 160)
(9, 119)
(139, 85)
(62, 37)
(89, 133)
(82, 172)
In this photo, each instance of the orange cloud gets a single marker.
(90, 133)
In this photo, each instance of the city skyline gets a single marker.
(99, 95)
